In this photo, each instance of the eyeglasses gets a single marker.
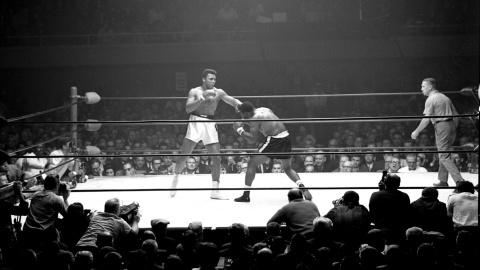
(395, 162)
(129, 169)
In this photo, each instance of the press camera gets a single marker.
(129, 211)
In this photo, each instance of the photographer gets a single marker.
(45, 205)
(110, 221)
(390, 208)
(351, 220)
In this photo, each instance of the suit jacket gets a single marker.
(375, 168)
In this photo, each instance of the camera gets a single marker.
(337, 201)
(129, 211)
(381, 184)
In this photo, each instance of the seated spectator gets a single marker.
(356, 162)
(298, 214)
(238, 250)
(191, 167)
(44, 208)
(342, 160)
(376, 239)
(320, 162)
(394, 258)
(414, 238)
(412, 165)
(208, 256)
(264, 260)
(271, 230)
(347, 167)
(390, 210)
(429, 213)
(111, 222)
(324, 258)
(297, 254)
(394, 165)
(35, 165)
(173, 262)
(370, 258)
(83, 261)
(351, 220)
(463, 208)
(52, 257)
(140, 166)
(461, 161)
(369, 165)
(323, 236)
(159, 228)
(467, 252)
(12, 172)
(197, 228)
(74, 225)
(277, 167)
(308, 160)
(186, 249)
(112, 261)
(129, 170)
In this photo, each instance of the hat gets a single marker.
(3, 157)
(159, 222)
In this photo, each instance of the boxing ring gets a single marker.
(269, 193)
(269, 190)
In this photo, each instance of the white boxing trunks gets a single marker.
(205, 131)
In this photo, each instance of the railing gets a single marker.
(232, 36)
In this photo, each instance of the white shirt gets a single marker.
(418, 169)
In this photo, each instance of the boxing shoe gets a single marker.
(243, 198)
(306, 193)
(174, 185)
(440, 184)
(216, 193)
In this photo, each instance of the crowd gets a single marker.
(393, 233)
(54, 17)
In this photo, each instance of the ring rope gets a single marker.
(257, 154)
(209, 189)
(386, 149)
(43, 112)
(231, 121)
(286, 96)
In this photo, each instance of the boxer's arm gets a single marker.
(228, 99)
(193, 101)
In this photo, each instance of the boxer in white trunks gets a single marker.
(201, 104)
(277, 141)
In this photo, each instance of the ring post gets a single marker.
(73, 118)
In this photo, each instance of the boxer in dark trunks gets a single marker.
(277, 141)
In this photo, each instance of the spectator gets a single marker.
(412, 165)
(370, 258)
(159, 228)
(108, 221)
(140, 166)
(298, 214)
(376, 239)
(35, 165)
(429, 213)
(186, 249)
(320, 162)
(342, 160)
(45, 206)
(128, 169)
(83, 261)
(64, 145)
(394, 165)
(466, 253)
(369, 165)
(238, 250)
(296, 255)
(191, 167)
(463, 208)
(197, 228)
(351, 220)
(277, 167)
(390, 210)
(356, 162)
(173, 262)
(460, 160)
(112, 261)
(208, 255)
(394, 259)
(323, 236)
(347, 167)
(52, 257)
(74, 225)
(10, 170)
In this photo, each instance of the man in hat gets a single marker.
(159, 228)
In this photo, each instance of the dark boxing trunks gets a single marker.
(279, 143)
